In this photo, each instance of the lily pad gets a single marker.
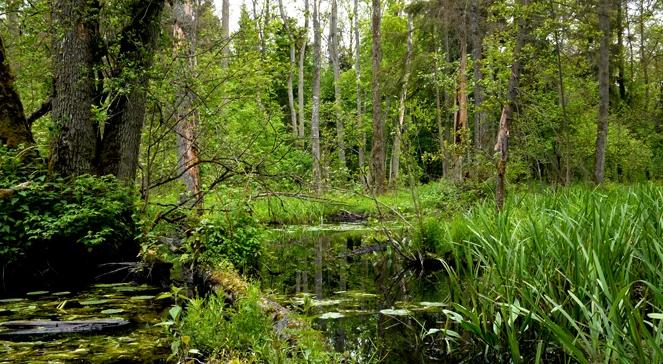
(396, 312)
(37, 293)
(331, 315)
(92, 302)
(63, 293)
(142, 298)
(12, 300)
(107, 285)
(320, 303)
(112, 311)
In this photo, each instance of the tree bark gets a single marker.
(300, 83)
(225, 30)
(186, 127)
(73, 149)
(120, 143)
(400, 124)
(14, 128)
(378, 149)
(562, 102)
(360, 117)
(333, 56)
(604, 90)
(461, 117)
(502, 145)
(315, 112)
(291, 96)
(477, 46)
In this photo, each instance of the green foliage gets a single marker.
(234, 237)
(244, 331)
(577, 271)
(85, 210)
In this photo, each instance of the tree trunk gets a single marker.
(300, 83)
(14, 129)
(644, 62)
(120, 143)
(604, 90)
(477, 45)
(461, 118)
(399, 125)
(186, 127)
(360, 118)
(315, 112)
(566, 151)
(621, 77)
(502, 145)
(333, 56)
(225, 32)
(73, 148)
(291, 96)
(378, 149)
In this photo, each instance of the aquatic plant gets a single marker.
(570, 274)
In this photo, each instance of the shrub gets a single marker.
(234, 237)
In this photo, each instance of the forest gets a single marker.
(331, 181)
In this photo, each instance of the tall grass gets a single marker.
(572, 276)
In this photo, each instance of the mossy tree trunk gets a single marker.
(14, 129)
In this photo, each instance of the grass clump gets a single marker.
(243, 332)
(572, 275)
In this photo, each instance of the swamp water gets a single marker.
(368, 305)
(138, 342)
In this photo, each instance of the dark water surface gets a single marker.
(139, 342)
(369, 306)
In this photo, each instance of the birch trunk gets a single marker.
(291, 96)
(604, 90)
(315, 112)
(333, 56)
(400, 124)
(378, 150)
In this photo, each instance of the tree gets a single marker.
(360, 117)
(300, 80)
(400, 123)
(186, 115)
(604, 90)
(225, 30)
(333, 56)
(315, 111)
(378, 150)
(73, 151)
(291, 97)
(81, 145)
(14, 128)
(502, 145)
(480, 127)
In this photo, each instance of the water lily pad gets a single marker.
(142, 298)
(396, 312)
(108, 285)
(320, 303)
(331, 315)
(112, 311)
(12, 300)
(92, 302)
(358, 294)
(37, 293)
(63, 293)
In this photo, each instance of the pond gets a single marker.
(140, 341)
(359, 293)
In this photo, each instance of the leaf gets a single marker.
(112, 311)
(655, 316)
(175, 311)
(396, 312)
